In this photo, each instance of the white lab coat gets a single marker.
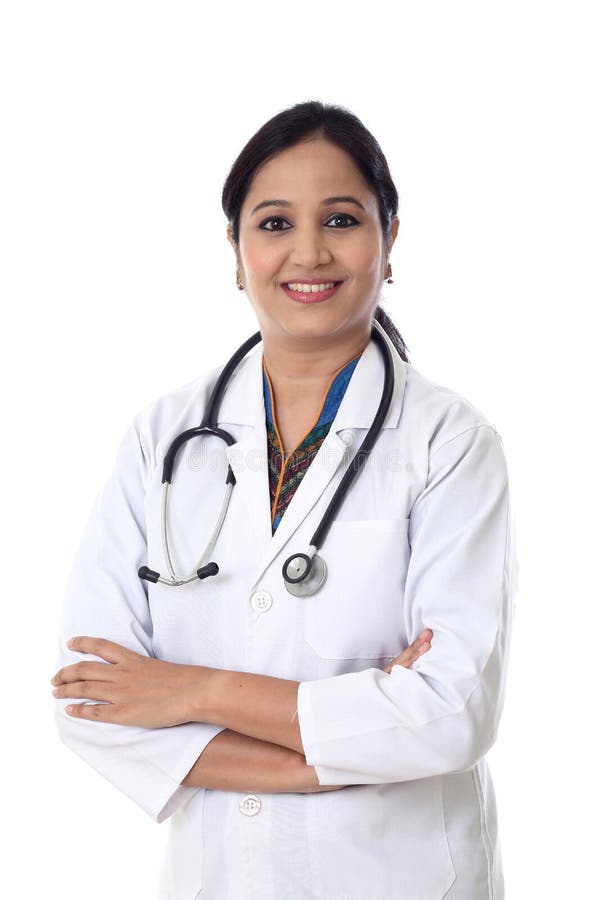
(423, 539)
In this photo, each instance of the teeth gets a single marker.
(310, 288)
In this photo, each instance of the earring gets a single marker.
(237, 280)
(388, 274)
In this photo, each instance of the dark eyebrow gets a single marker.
(331, 200)
(328, 202)
(270, 203)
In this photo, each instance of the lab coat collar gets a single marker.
(243, 405)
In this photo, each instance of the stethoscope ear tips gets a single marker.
(147, 574)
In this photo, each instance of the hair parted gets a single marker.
(305, 121)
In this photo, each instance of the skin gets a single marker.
(151, 693)
(303, 345)
(261, 743)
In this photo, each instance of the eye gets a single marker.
(273, 219)
(350, 220)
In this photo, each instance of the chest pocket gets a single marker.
(358, 612)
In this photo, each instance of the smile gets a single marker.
(306, 288)
(303, 292)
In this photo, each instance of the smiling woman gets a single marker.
(312, 231)
(307, 746)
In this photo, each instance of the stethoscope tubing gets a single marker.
(361, 455)
(303, 565)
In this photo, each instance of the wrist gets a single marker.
(307, 781)
(204, 685)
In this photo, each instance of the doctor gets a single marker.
(323, 746)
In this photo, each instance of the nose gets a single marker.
(309, 248)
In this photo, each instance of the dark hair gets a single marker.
(338, 125)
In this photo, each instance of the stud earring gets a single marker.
(388, 274)
(237, 280)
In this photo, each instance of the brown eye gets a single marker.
(350, 220)
(273, 219)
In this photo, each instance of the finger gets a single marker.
(425, 635)
(99, 712)
(91, 690)
(416, 649)
(84, 670)
(415, 654)
(109, 650)
(402, 660)
(424, 639)
(408, 656)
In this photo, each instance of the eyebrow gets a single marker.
(328, 202)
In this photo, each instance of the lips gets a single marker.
(310, 291)
(310, 286)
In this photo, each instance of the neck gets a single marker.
(303, 369)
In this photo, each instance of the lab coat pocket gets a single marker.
(357, 613)
(181, 877)
(381, 841)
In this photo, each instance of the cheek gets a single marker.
(260, 260)
(366, 264)
(363, 257)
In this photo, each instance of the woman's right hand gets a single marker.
(412, 653)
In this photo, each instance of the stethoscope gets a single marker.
(303, 573)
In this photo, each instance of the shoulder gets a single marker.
(438, 413)
(172, 412)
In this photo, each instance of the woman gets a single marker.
(322, 746)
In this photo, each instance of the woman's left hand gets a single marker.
(138, 690)
(418, 647)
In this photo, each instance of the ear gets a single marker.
(395, 225)
(230, 237)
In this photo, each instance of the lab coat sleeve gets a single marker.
(441, 715)
(106, 598)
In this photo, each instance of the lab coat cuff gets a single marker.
(146, 764)
(369, 727)
(170, 794)
(344, 734)
(309, 735)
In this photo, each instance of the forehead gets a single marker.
(313, 169)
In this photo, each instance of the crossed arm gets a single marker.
(261, 743)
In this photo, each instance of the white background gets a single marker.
(120, 121)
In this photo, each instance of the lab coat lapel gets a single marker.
(243, 412)
(243, 404)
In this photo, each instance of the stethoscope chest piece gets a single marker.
(303, 575)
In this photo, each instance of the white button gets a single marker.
(261, 601)
(347, 437)
(250, 805)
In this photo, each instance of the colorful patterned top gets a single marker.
(286, 474)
